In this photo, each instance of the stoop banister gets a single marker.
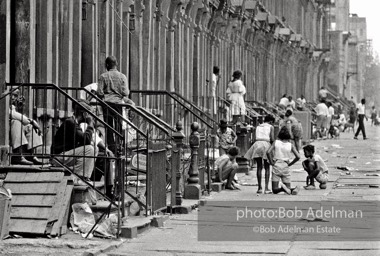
(193, 188)
(176, 192)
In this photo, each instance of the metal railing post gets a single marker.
(193, 189)
(176, 193)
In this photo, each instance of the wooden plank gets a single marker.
(27, 226)
(34, 188)
(33, 200)
(52, 177)
(35, 213)
(65, 204)
(65, 219)
(56, 209)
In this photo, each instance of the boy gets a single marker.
(226, 168)
(227, 137)
(315, 167)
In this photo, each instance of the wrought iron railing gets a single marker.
(140, 153)
(50, 105)
(173, 107)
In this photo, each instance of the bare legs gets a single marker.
(260, 161)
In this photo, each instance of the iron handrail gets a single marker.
(194, 106)
(69, 97)
(158, 120)
(224, 100)
(146, 116)
(229, 103)
(160, 92)
(108, 108)
(5, 94)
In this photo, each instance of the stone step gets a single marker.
(133, 226)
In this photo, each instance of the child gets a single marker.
(315, 168)
(226, 168)
(227, 137)
(281, 161)
(263, 139)
(334, 127)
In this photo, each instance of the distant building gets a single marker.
(339, 34)
(357, 56)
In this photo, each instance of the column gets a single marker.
(5, 34)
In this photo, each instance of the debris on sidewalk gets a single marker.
(336, 146)
(372, 174)
(345, 168)
(82, 220)
(248, 184)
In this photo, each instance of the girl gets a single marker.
(235, 93)
(281, 161)
(263, 139)
(227, 137)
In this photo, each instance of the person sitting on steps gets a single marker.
(73, 147)
(227, 167)
(25, 135)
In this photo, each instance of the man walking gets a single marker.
(361, 115)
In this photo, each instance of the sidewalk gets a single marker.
(180, 234)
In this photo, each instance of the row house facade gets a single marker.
(280, 45)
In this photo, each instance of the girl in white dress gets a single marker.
(235, 93)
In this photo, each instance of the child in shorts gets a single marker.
(284, 151)
(226, 168)
(315, 168)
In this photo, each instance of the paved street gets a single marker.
(180, 234)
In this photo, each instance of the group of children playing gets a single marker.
(266, 151)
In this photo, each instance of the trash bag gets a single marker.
(106, 228)
(82, 219)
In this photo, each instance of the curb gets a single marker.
(103, 248)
